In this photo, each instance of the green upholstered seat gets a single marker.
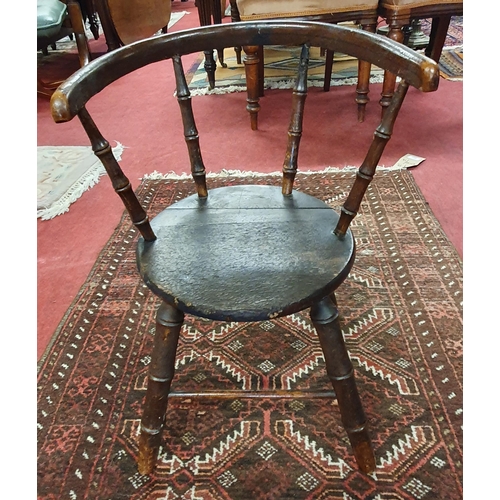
(50, 15)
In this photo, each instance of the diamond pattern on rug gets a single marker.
(401, 317)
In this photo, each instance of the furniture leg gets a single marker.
(439, 30)
(204, 13)
(161, 372)
(364, 70)
(395, 33)
(328, 69)
(76, 19)
(324, 316)
(260, 55)
(235, 18)
(110, 35)
(251, 61)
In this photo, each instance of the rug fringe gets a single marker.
(84, 183)
(281, 84)
(155, 175)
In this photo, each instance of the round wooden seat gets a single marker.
(245, 253)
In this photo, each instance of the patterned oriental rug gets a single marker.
(280, 66)
(401, 313)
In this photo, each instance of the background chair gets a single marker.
(245, 253)
(56, 20)
(399, 15)
(363, 12)
(125, 22)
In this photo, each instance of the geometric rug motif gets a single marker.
(401, 314)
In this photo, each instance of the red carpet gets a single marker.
(430, 125)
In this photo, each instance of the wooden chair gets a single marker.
(363, 12)
(125, 22)
(246, 253)
(399, 15)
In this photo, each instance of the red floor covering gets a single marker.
(430, 125)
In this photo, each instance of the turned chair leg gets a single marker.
(324, 316)
(362, 88)
(161, 372)
(364, 71)
(395, 33)
(251, 61)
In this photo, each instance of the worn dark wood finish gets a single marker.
(325, 317)
(367, 169)
(399, 18)
(190, 131)
(161, 372)
(295, 130)
(250, 252)
(120, 182)
(252, 245)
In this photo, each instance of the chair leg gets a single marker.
(237, 51)
(364, 71)
(251, 61)
(204, 15)
(324, 316)
(260, 55)
(395, 33)
(328, 69)
(161, 372)
(439, 30)
(76, 19)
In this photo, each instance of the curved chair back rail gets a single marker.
(418, 70)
